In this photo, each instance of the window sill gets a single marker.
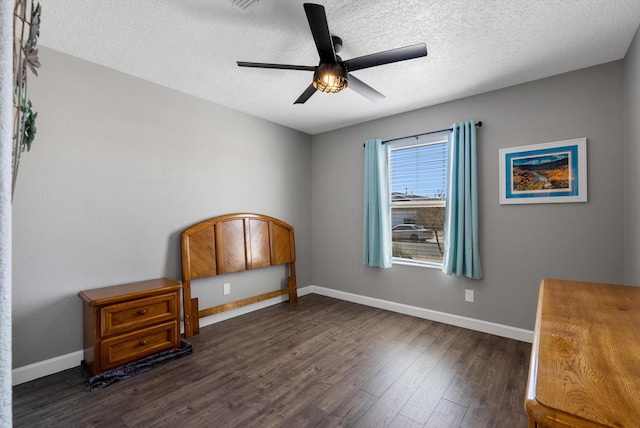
(406, 262)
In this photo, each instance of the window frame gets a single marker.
(432, 138)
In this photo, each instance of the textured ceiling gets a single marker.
(474, 46)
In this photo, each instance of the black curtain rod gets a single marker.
(479, 124)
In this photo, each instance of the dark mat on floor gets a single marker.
(96, 383)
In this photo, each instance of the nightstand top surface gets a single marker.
(106, 295)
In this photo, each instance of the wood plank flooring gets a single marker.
(321, 362)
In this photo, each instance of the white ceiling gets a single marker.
(474, 46)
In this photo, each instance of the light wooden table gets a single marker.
(585, 359)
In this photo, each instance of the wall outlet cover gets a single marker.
(468, 295)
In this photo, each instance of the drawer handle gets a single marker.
(143, 342)
(142, 312)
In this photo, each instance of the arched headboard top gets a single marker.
(234, 243)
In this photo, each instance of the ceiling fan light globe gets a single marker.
(330, 78)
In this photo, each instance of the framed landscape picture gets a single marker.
(544, 173)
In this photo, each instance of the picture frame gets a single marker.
(543, 173)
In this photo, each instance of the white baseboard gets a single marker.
(47, 367)
(443, 317)
(69, 361)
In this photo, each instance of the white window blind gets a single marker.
(418, 183)
(419, 173)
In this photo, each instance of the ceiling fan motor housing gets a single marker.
(337, 43)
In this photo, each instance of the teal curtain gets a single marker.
(377, 224)
(461, 254)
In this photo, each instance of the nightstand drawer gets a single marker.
(135, 314)
(139, 344)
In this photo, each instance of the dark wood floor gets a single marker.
(319, 363)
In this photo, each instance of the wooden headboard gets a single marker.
(234, 243)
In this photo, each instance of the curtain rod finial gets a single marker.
(479, 124)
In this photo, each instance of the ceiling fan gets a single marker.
(333, 74)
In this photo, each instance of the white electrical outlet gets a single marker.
(227, 289)
(468, 295)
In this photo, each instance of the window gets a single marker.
(418, 183)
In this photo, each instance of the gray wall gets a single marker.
(631, 163)
(119, 167)
(520, 244)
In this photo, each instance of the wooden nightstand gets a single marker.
(124, 323)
